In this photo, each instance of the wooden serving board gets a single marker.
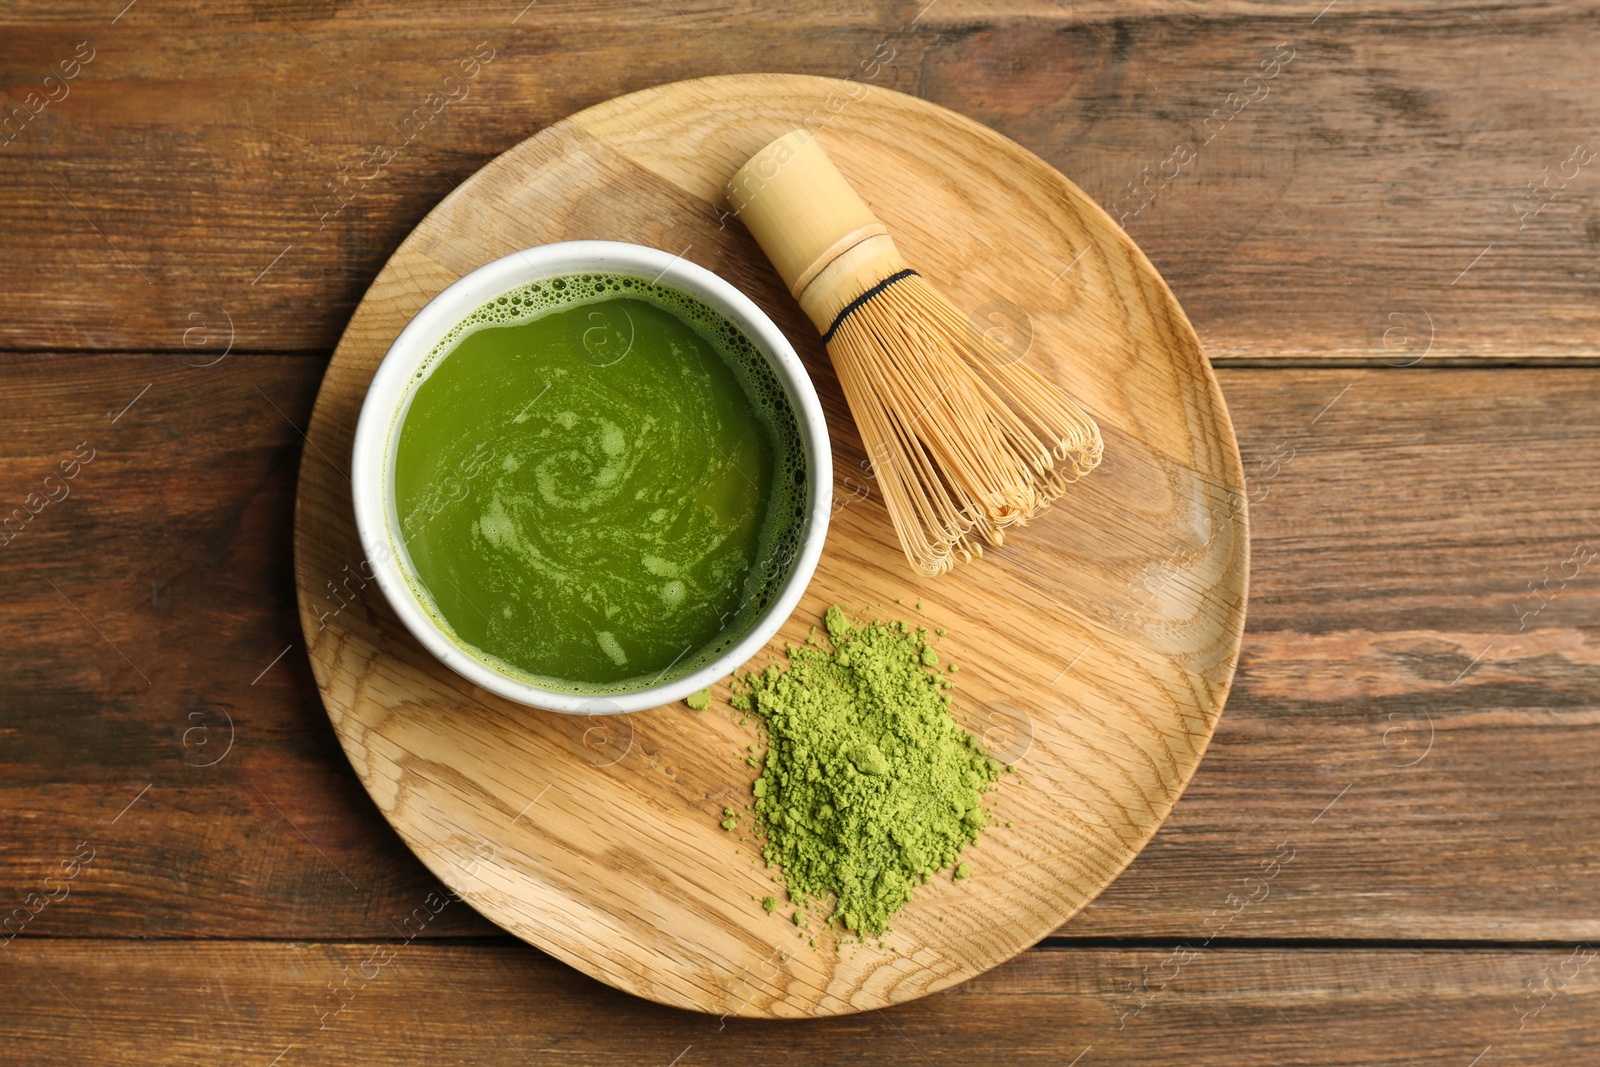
(1097, 646)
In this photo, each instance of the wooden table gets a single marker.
(1383, 220)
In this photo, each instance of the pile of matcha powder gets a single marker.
(869, 787)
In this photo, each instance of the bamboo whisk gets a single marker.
(964, 439)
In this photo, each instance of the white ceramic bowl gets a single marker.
(389, 397)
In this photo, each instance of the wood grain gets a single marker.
(199, 145)
(622, 869)
(1393, 552)
(193, 1003)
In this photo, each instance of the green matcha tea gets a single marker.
(600, 483)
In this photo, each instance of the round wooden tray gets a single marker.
(1096, 646)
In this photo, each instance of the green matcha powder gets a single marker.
(869, 786)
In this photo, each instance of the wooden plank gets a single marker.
(298, 1004)
(1393, 554)
(1408, 182)
(802, 13)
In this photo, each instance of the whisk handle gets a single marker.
(827, 245)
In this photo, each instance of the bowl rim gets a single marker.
(388, 399)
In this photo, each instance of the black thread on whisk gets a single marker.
(863, 298)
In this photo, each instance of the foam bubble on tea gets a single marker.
(600, 483)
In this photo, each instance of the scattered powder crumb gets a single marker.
(963, 871)
(699, 701)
